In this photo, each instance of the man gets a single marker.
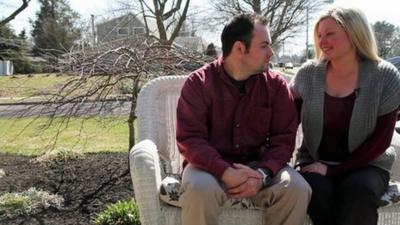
(236, 129)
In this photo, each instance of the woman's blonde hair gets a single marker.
(355, 24)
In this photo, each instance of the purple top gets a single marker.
(334, 143)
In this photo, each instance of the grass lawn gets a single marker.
(22, 86)
(81, 136)
(36, 87)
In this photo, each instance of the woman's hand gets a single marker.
(315, 167)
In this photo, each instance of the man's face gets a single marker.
(260, 51)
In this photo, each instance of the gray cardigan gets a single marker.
(377, 93)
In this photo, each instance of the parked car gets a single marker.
(395, 61)
(288, 65)
(270, 65)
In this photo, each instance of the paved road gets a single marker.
(108, 108)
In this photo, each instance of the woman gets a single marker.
(350, 99)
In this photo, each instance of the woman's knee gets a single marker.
(364, 183)
(322, 187)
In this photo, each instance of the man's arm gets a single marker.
(192, 129)
(279, 150)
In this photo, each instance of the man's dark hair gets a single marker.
(239, 28)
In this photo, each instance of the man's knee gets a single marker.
(297, 185)
(289, 186)
(202, 186)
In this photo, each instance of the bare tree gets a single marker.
(99, 75)
(285, 17)
(15, 13)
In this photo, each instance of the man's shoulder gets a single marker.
(276, 78)
(279, 76)
(204, 72)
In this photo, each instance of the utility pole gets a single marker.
(93, 32)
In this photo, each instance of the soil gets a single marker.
(87, 184)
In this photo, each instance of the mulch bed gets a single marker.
(87, 185)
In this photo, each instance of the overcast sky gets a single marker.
(376, 10)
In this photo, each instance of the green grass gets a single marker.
(124, 212)
(25, 136)
(37, 87)
(22, 86)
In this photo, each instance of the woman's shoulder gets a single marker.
(387, 71)
(310, 69)
(311, 63)
(384, 66)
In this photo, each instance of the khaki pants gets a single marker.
(285, 201)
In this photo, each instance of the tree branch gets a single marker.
(15, 13)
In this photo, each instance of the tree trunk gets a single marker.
(131, 124)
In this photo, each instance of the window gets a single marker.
(123, 31)
(138, 30)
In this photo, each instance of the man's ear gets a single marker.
(239, 47)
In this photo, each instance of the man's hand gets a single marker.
(242, 181)
(247, 189)
(315, 167)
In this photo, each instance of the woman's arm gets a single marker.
(372, 148)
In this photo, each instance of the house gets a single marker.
(129, 29)
(126, 29)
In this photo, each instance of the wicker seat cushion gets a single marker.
(392, 195)
(171, 190)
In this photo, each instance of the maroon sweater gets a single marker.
(334, 143)
(217, 125)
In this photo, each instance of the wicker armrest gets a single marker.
(395, 172)
(146, 178)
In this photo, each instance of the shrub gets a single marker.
(127, 88)
(59, 154)
(121, 213)
(24, 66)
(28, 202)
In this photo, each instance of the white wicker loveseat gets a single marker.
(155, 156)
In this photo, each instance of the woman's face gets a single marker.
(333, 40)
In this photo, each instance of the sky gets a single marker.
(376, 10)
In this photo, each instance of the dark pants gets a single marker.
(349, 199)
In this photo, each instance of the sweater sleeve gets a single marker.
(192, 132)
(376, 145)
(296, 84)
(390, 98)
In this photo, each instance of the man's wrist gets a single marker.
(266, 177)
